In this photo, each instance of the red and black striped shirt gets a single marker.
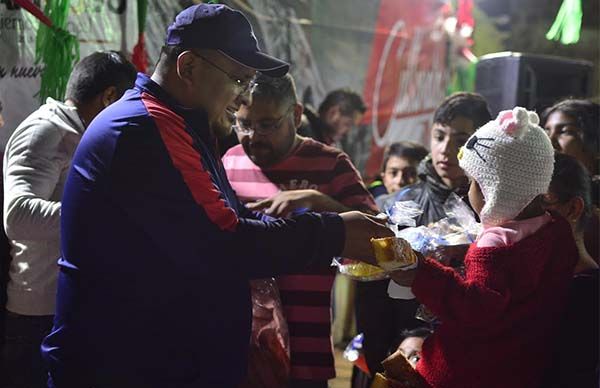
(306, 297)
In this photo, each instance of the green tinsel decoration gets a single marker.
(57, 49)
(567, 26)
(463, 80)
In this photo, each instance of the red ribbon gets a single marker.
(139, 57)
(35, 11)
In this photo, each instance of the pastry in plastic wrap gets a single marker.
(393, 253)
(361, 271)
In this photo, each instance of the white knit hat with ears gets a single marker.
(512, 160)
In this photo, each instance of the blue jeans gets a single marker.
(20, 359)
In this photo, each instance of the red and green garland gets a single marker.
(55, 47)
(139, 57)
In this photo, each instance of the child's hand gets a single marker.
(406, 278)
(451, 254)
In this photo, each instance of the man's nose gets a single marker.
(244, 98)
(398, 179)
(446, 146)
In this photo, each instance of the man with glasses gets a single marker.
(36, 163)
(281, 173)
(157, 249)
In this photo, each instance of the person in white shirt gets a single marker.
(37, 159)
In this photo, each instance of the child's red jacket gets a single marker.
(499, 321)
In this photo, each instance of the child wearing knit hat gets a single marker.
(498, 319)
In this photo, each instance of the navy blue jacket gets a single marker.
(157, 252)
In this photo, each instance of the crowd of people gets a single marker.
(145, 217)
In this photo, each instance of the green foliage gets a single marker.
(487, 37)
(567, 26)
(57, 49)
(142, 8)
(463, 80)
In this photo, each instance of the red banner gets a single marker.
(406, 75)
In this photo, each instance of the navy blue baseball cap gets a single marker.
(218, 27)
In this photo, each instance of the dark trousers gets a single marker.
(382, 320)
(308, 384)
(20, 359)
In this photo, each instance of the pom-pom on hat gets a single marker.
(512, 160)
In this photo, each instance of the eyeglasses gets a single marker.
(241, 86)
(246, 128)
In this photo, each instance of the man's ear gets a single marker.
(109, 95)
(298, 109)
(185, 66)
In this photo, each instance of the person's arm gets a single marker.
(221, 242)
(478, 299)
(347, 193)
(33, 165)
(286, 202)
(174, 200)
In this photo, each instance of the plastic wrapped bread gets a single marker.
(393, 253)
(360, 271)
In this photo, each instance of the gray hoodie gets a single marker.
(36, 162)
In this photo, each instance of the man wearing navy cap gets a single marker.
(157, 250)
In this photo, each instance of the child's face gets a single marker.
(476, 197)
(446, 140)
(411, 349)
(565, 135)
(398, 173)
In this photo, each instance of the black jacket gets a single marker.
(429, 193)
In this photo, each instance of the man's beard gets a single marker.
(222, 127)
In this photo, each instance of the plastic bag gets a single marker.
(269, 353)
(400, 213)
(358, 270)
(459, 213)
(459, 228)
(403, 213)
(354, 353)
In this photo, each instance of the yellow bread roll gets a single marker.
(393, 253)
